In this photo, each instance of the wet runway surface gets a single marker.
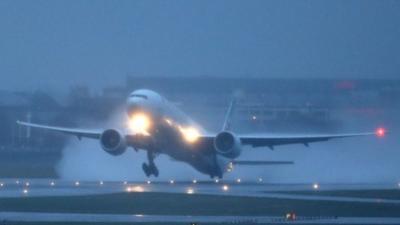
(43, 187)
(24, 188)
(75, 217)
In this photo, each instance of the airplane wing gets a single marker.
(271, 141)
(251, 140)
(136, 140)
(94, 134)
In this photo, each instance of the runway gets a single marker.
(11, 188)
(276, 195)
(74, 217)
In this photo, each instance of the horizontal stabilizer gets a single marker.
(261, 163)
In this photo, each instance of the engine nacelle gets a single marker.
(113, 142)
(227, 144)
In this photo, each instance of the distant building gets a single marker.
(272, 103)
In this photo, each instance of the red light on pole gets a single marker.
(380, 132)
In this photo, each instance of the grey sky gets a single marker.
(59, 43)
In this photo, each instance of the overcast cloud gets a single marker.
(61, 43)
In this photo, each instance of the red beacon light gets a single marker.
(380, 132)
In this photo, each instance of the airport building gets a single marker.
(314, 105)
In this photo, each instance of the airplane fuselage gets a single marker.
(172, 131)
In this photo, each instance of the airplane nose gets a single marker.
(133, 105)
(143, 104)
(139, 105)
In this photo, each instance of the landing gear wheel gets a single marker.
(150, 168)
(146, 169)
(154, 170)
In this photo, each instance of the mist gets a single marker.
(86, 160)
(354, 160)
(362, 160)
(301, 67)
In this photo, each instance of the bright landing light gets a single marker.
(190, 134)
(139, 123)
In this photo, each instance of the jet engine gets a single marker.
(227, 144)
(113, 142)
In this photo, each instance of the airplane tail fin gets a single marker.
(228, 116)
(262, 163)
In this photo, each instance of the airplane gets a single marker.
(158, 127)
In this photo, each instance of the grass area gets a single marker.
(89, 223)
(382, 194)
(182, 204)
(86, 223)
(99, 223)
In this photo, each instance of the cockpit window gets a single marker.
(139, 96)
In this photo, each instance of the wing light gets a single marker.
(139, 123)
(380, 132)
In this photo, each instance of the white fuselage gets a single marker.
(175, 133)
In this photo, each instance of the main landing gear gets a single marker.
(150, 168)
